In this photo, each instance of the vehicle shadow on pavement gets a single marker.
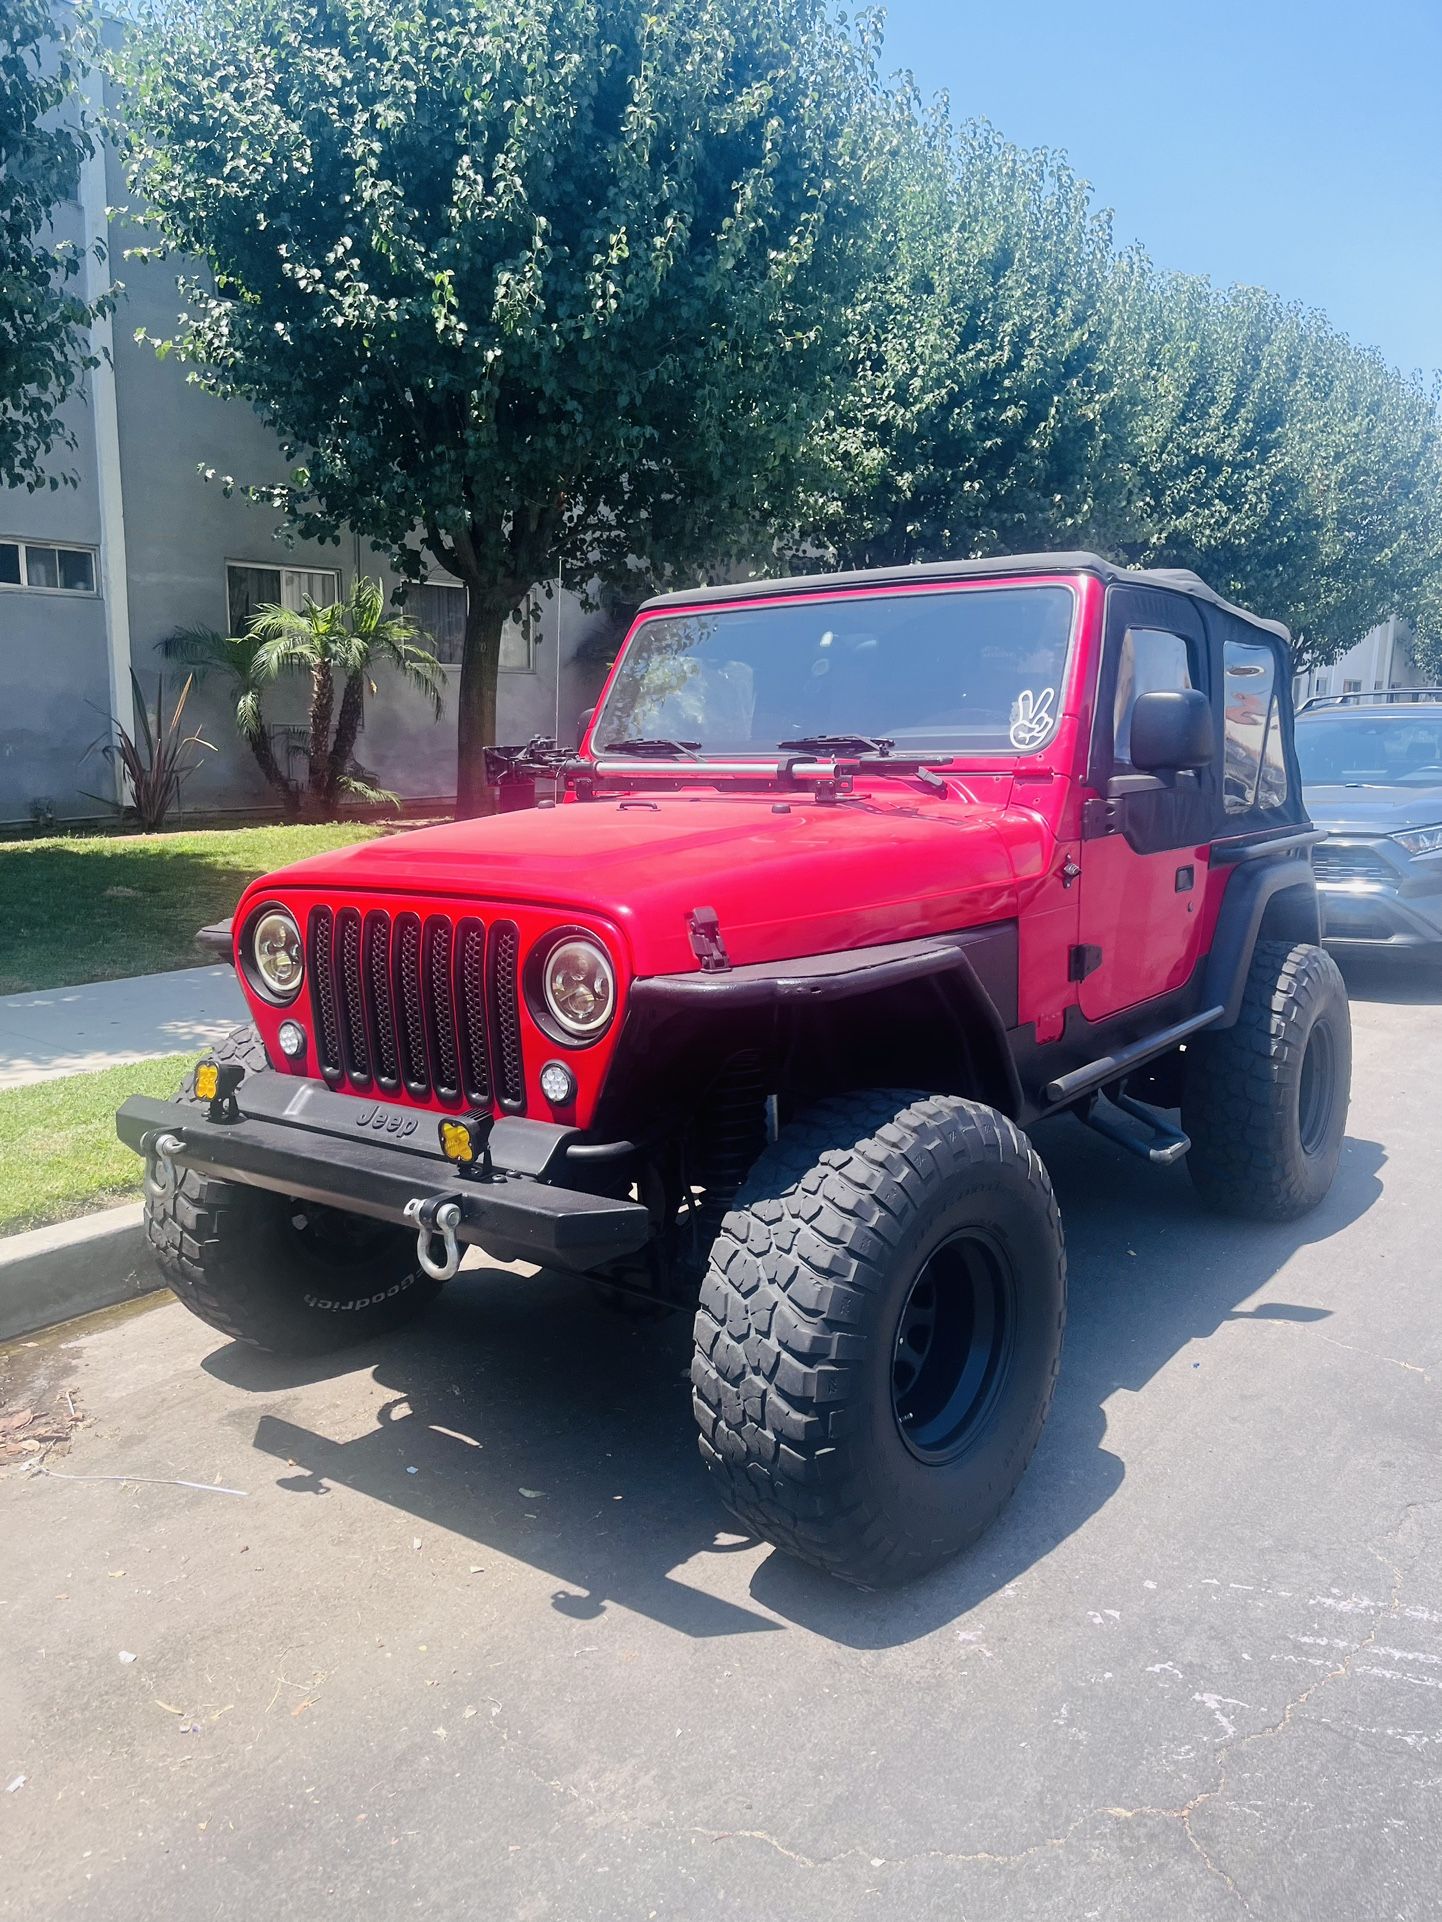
(528, 1418)
(1399, 979)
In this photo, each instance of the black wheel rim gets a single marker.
(953, 1342)
(1316, 1092)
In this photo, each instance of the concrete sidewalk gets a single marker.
(59, 1031)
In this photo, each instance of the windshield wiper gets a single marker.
(838, 743)
(661, 745)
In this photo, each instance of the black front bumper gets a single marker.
(372, 1158)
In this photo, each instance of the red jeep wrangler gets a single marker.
(853, 879)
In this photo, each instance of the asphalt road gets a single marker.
(476, 1642)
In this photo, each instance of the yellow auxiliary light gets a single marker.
(215, 1085)
(465, 1140)
(456, 1143)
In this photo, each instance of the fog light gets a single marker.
(292, 1039)
(558, 1084)
(215, 1084)
(465, 1141)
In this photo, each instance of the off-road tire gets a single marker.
(1265, 1101)
(797, 1336)
(237, 1258)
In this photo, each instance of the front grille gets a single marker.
(355, 1043)
(1349, 861)
(506, 1001)
(319, 942)
(427, 1006)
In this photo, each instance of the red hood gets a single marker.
(817, 877)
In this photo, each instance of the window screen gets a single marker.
(440, 613)
(439, 610)
(42, 564)
(1151, 660)
(249, 588)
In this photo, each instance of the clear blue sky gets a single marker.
(1288, 145)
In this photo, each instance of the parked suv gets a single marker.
(854, 878)
(1372, 772)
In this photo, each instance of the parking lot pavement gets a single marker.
(474, 1639)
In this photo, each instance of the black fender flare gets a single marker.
(678, 1028)
(1272, 890)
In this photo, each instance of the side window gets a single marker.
(1255, 773)
(1151, 659)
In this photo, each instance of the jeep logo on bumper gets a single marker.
(385, 1121)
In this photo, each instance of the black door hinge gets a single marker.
(1082, 961)
(704, 927)
(1099, 817)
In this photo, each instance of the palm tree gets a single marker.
(234, 658)
(343, 643)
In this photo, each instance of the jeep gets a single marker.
(852, 879)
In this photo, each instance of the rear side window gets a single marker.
(1255, 773)
(1151, 660)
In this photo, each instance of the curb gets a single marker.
(50, 1275)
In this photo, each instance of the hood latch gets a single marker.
(704, 927)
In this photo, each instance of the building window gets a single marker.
(248, 588)
(40, 564)
(439, 610)
(1351, 687)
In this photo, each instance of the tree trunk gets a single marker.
(488, 608)
(322, 701)
(265, 760)
(347, 727)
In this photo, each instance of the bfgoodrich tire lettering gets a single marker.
(282, 1275)
(800, 1395)
(1265, 1101)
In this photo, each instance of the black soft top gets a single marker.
(1009, 566)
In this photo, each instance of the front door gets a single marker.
(1143, 874)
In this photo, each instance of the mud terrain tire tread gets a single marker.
(1240, 1095)
(797, 1301)
(221, 1248)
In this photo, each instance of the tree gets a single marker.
(1297, 472)
(338, 645)
(44, 321)
(969, 419)
(1014, 383)
(518, 283)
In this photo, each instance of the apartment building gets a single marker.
(93, 577)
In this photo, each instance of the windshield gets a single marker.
(971, 671)
(1397, 750)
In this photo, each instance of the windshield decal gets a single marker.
(1032, 719)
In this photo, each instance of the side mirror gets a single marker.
(1172, 729)
(585, 721)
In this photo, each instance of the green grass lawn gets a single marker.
(59, 1153)
(100, 907)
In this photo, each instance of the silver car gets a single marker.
(1372, 777)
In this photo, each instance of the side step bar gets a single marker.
(1112, 1067)
(1152, 1138)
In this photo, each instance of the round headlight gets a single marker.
(276, 950)
(580, 987)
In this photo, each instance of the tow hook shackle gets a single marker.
(161, 1173)
(437, 1218)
